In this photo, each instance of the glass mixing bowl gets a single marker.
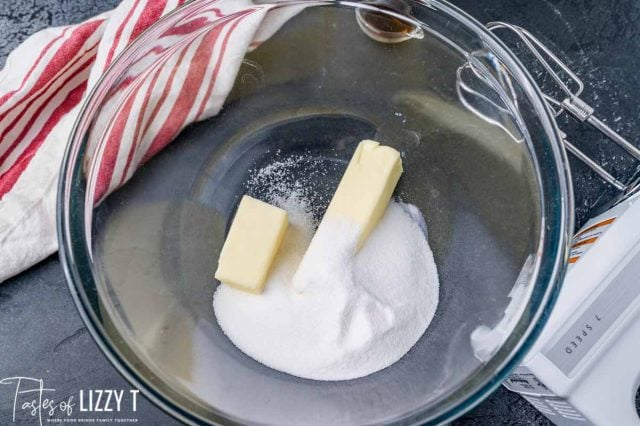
(482, 161)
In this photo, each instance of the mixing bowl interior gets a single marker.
(142, 260)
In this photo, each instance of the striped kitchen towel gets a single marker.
(47, 78)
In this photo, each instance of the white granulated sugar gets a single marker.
(302, 176)
(356, 314)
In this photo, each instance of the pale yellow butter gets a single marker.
(366, 186)
(256, 233)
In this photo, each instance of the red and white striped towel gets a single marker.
(47, 78)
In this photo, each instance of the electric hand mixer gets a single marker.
(584, 368)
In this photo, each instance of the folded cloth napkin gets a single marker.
(47, 78)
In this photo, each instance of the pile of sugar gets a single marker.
(355, 314)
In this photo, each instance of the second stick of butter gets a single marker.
(360, 200)
(366, 186)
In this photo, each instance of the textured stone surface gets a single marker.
(43, 337)
(41, 334)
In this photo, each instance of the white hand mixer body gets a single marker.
(585, 367)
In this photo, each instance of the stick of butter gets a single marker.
(366, 186)
(255, 236)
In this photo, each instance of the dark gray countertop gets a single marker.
(41, 334)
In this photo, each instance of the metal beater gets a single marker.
(575, 107)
